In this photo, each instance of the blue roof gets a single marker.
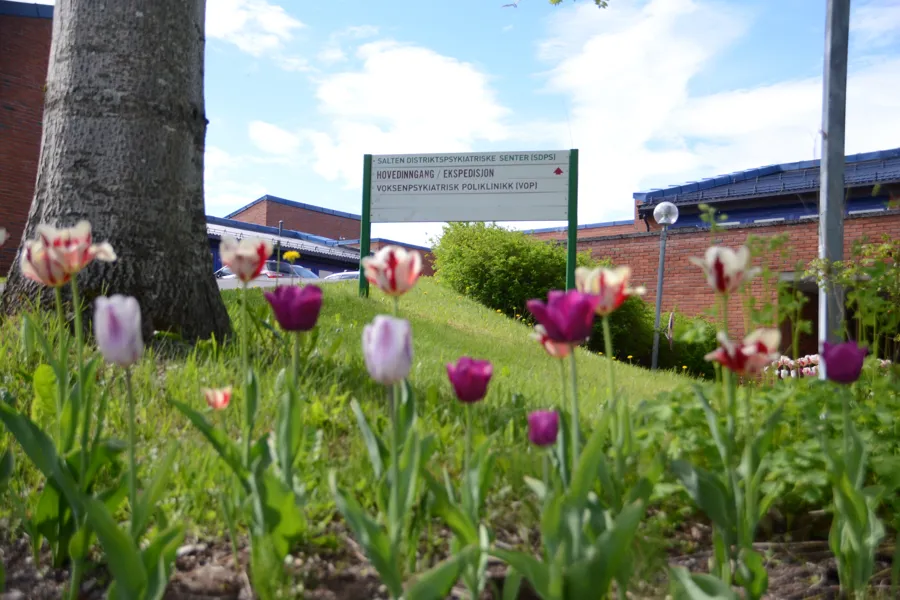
(288, 233)
(385, 241)
(21, 9)
(868, 168)
(586, 226)
(294, 204)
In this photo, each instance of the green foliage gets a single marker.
(498, 267)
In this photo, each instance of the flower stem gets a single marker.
(611, 368)
(396, 306)
(84, 404)
(62, 374)
(467, 481)
(394, 502)
(132, 460)
(576, 429)
(245, 367)
(290, 398)
(546, 461)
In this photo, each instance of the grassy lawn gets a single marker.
(445, 326)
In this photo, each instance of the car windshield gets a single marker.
(276, 267)
(304, 272)
(224, 271)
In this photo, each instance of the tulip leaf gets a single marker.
(435, 583)
(592, 457)
(561, 454)
(153, 493)
(537, 486)
(7, 466)
(406, 412)
(512, 582)
(536, 572)
(40, 450)
(699, 586)
(43, 408)
(712, 420)
(283, 521)
(751, 574)
(122, 555)
(374, 445)
(159, 560)
(218, 439)
(252, 399)
(371, 537)
(454, 517)
(31, 333)
(707, 491)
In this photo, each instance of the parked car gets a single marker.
(273, 270)
(342, 276)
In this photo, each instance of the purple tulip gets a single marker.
(567, 317)
(843, 362)
(387, 348)
(296, 308)
(543, 427)
(117, 328)
(470, 378)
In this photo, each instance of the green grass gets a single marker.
(445, 326)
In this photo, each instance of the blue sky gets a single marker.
(652, 92)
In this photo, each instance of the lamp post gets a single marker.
(665, 214)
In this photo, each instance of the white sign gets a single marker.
(476, 186)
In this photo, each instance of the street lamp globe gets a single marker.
(665, 213)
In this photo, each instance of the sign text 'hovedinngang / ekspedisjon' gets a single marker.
(478, 186)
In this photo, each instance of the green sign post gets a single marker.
(474, 186)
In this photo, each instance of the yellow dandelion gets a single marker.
(684, 366)
(291, 256)
(629, 357)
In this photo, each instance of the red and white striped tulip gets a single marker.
(726, 270)
(554, 349)
(610, 285)
(394, 270)
(74, 247)
(217, 398)
(40, 265)
(245, 258)
(757, 350)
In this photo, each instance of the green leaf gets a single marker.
(41, 451)
(31, 333)
(122, 555)
(154, 492)
(511, 584)
(219, 440)
(284, 522)
(376, 448)
(690, 586)
(43, 408)
(252, 399)
(435, 583)
(536, 572)
(371, 537)
(453, 516)
(159, 559)
(707, 491)
(537, 486)
(407, 412)
(7, 466)
(589, 463)
(751, 574)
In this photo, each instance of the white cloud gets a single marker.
(273, 139)
(416, 100)
(255, 26)
(876, 22)
(333, 51)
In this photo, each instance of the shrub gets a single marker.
(500, 268)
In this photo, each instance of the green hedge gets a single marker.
(503, 269)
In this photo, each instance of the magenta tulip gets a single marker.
(296, 308)
(843, 362)
(470, 378)
(543, 427)
(567, 317)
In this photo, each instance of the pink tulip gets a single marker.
(117, 328)
(554, 349)
(757, 350)
(567, 317)
(470, 378)
(393, 269)
(217, 399)
(296, 308)
(543, 427)
(246, 258)
(74, 247)
(610, 285)
(726, 269)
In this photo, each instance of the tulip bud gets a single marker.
(543, 427)
(470, 378)
(726, 270)
(387, 348)
(843, 362)
(611, 285)
(245, 258)
(218, 398)
(393, 269)
(567, 317)
(296, 308)
(117, 328)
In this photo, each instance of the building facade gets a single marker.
(25, 32)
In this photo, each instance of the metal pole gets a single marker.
(365, 225)
(659, 286)
(278, 252)
(831, 187)
(572, 248)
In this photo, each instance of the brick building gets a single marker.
(767, 201)
(25, 32)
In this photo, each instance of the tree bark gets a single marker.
(122, 146)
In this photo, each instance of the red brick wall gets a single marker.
(300, 219)
(636, 227)
(684, 285)
(24, 54)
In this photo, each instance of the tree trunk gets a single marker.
(124, 131)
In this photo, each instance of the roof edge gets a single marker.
(22, 9)
(294, 204)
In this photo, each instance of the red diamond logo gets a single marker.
(558, 171)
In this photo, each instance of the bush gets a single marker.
(499, 268)
(503, 269)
